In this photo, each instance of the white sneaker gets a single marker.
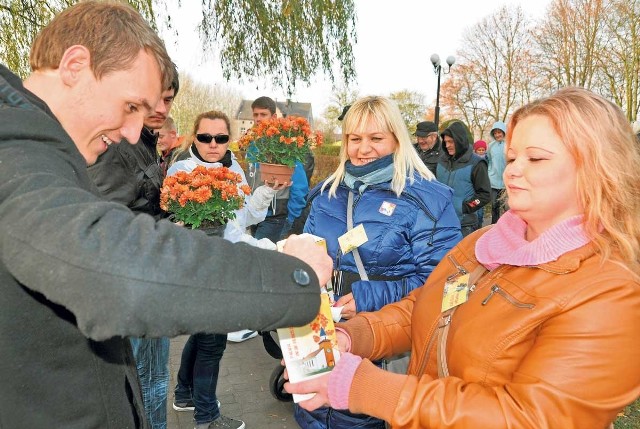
(240, 336)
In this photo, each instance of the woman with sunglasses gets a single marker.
(209, 147)
(200, 362)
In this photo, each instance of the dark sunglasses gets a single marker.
(206, 138)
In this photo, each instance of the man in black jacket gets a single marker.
(74, 268)
(131, 174)
(427, 145)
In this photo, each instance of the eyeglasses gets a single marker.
(206, 138)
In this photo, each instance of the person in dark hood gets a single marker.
(464, 171)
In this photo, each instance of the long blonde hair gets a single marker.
(607, 157)
(387, 117)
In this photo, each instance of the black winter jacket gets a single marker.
(130, 174)
(430, 157)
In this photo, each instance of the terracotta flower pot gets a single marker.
(272, 172)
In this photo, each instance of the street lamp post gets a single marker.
(437, 68)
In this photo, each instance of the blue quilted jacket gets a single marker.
(407, 235)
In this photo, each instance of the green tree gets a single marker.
(340, 97)
(21, 20)
(288, 40)
(412, 107)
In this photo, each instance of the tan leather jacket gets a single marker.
(551, 346)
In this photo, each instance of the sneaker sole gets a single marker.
(177, 408)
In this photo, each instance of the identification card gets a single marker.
(352, 239)
(456, 292)
(387, 208)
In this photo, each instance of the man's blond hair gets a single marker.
(113, 32)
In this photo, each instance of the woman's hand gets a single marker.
(349, 305)
(344, 342)
(318, 385)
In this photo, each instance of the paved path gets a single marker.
(243, 388)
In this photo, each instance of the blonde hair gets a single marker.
(188, 141)
(113, 32)
(607, 156)
(386, 115)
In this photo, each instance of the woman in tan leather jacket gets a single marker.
(533, 322)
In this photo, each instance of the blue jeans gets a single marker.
(152, 363)
(497, 204)
(480, 214)
(198, 374)
(328, 418)
(273, 228)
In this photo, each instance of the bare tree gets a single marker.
(462, 98)
(568, 42)
(195, 97)
(490, 80)
(618, 61)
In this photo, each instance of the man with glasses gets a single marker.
(131, 174)
(427, 137)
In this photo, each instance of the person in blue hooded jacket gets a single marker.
(407, 216)
(497, 163)
(464, 171)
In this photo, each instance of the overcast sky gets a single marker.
(395, 41)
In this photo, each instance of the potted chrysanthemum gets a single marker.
(279, 142)
(205, 198)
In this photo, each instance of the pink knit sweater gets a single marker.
(503, 244)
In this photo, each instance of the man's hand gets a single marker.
(306, 249)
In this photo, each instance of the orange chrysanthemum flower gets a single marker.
(280, 140)
(204, 194)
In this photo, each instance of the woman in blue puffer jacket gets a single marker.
(408, 219)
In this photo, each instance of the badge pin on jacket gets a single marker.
(387, 208)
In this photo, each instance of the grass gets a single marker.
(629, 418)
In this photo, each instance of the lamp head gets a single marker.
(435, 60)
(450, 60)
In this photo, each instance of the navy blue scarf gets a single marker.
(360, 176)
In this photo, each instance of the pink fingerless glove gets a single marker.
(340, 379)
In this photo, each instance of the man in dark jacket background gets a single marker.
(74, 269)
(464, 171)
(131, 174)
(427, 145)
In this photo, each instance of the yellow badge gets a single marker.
(455, 292)
(352, 239)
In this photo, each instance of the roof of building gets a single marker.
(286, 108)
